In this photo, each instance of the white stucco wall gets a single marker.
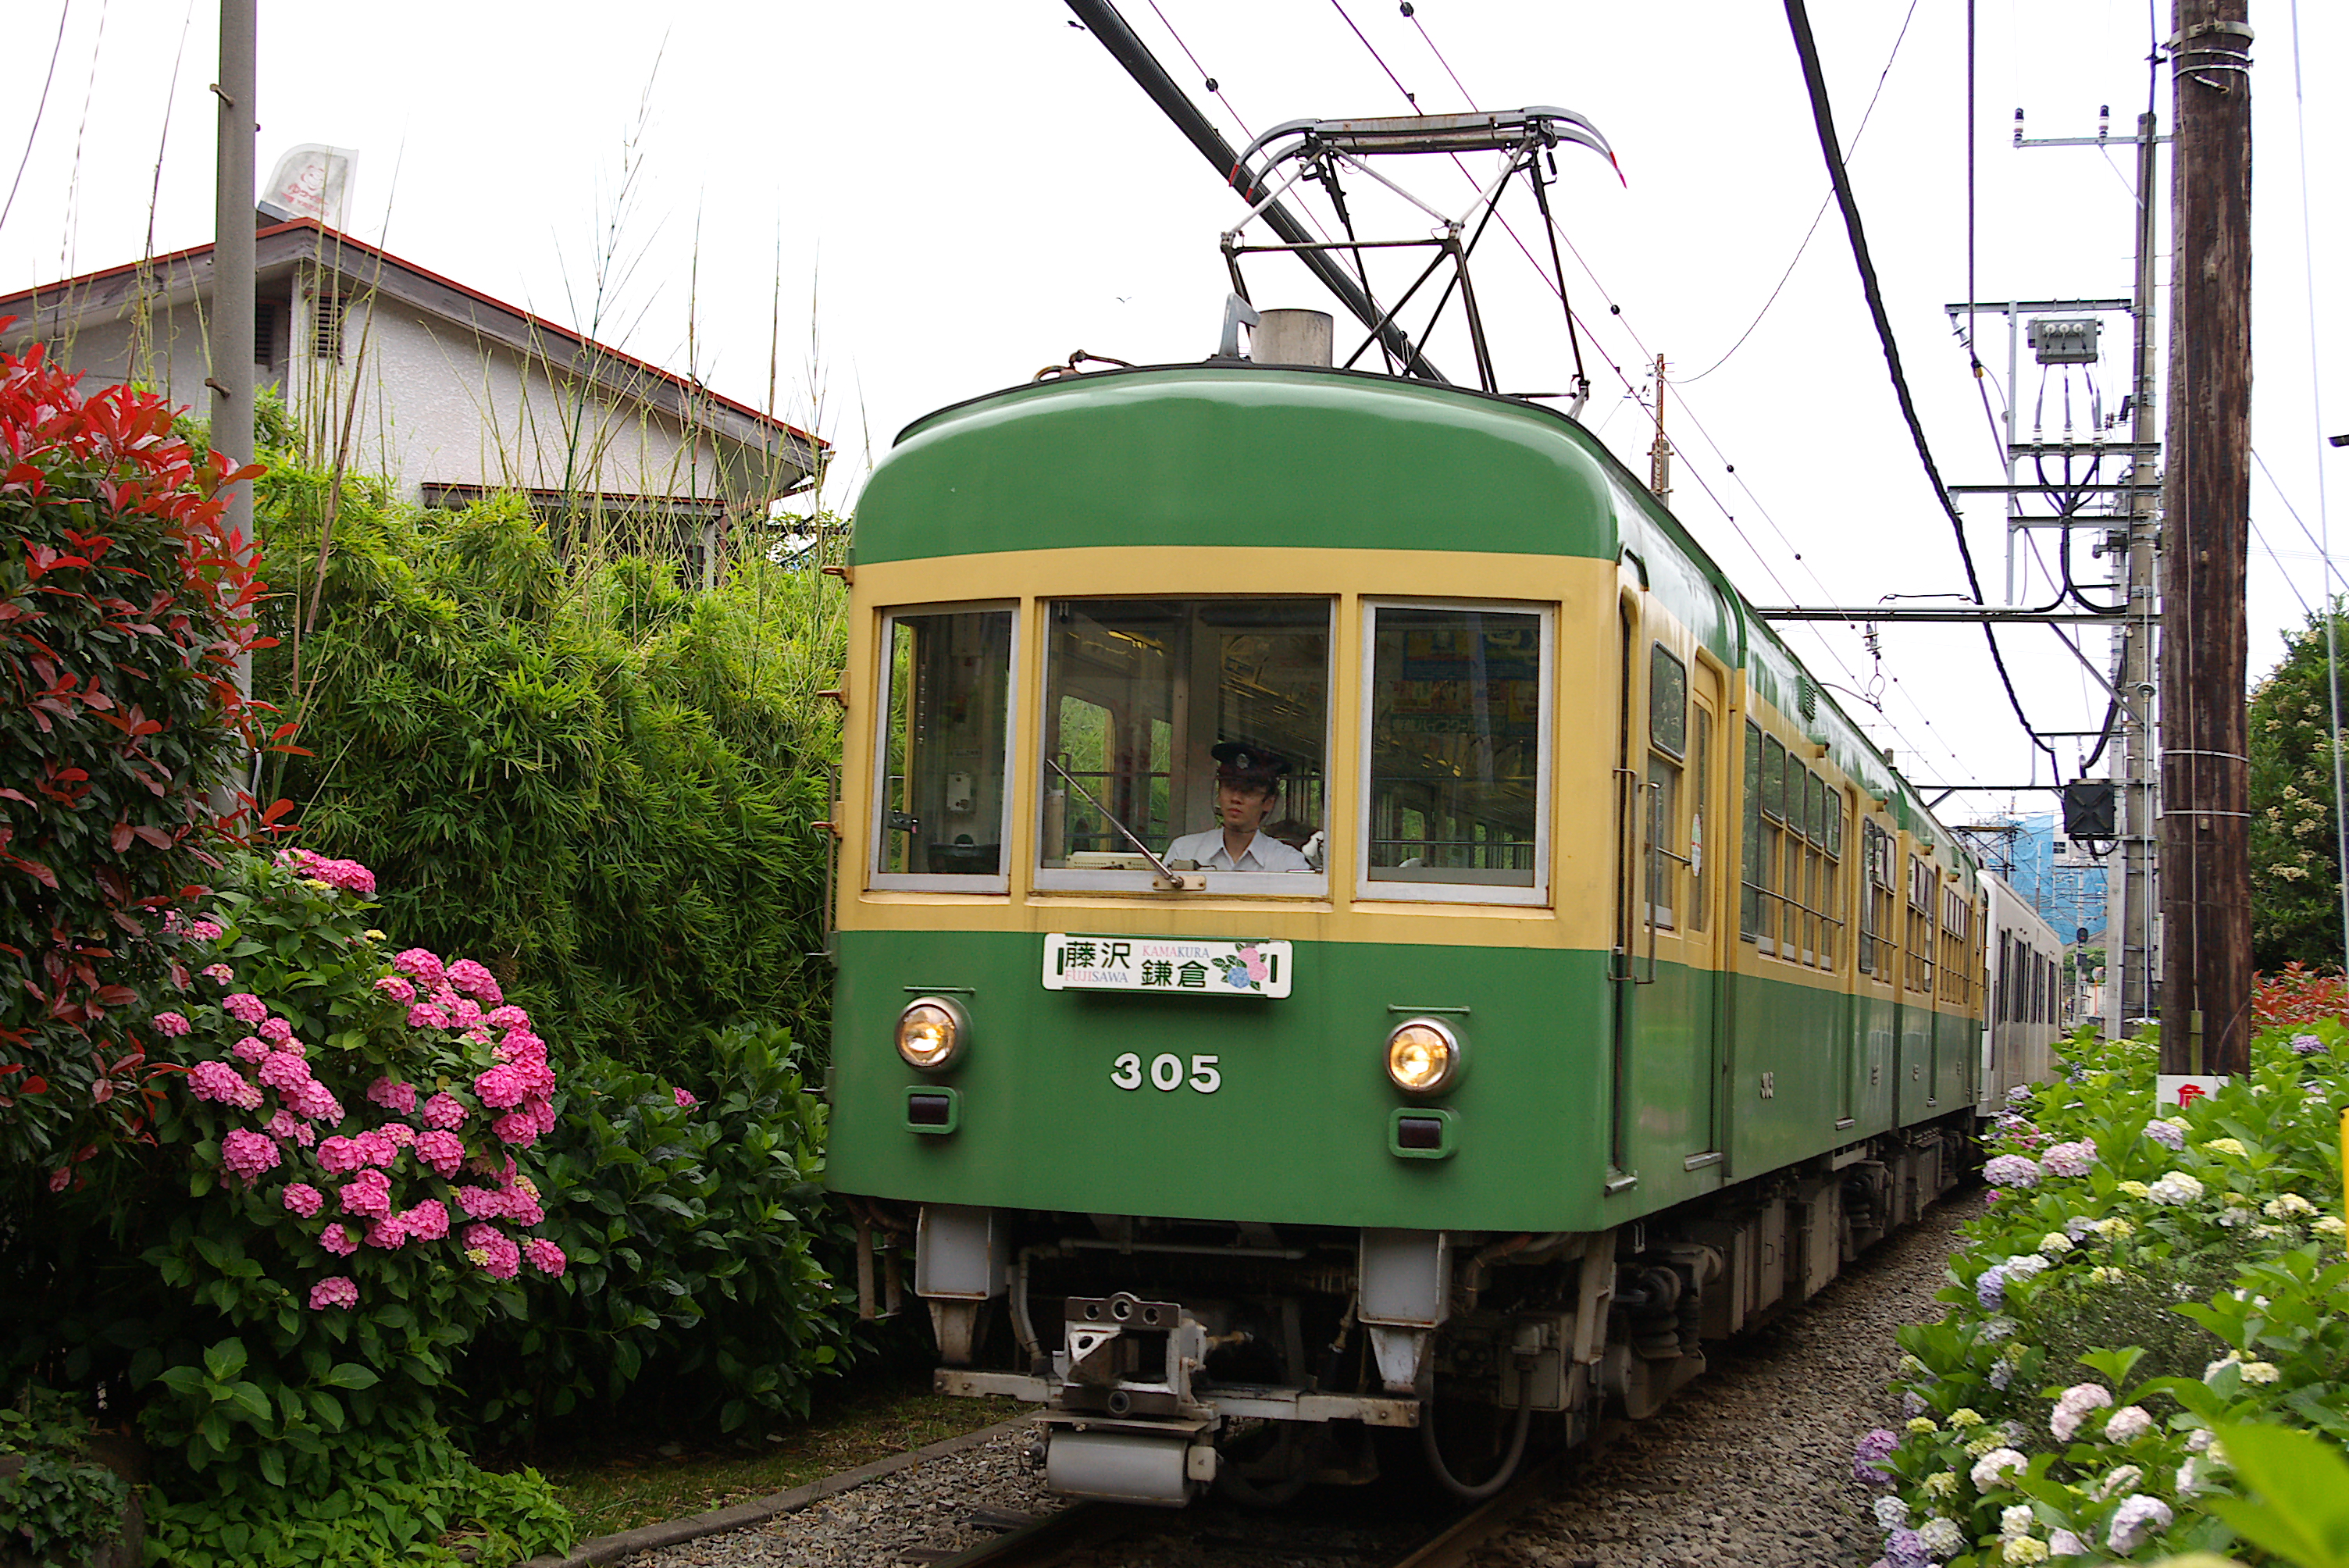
(435, 405)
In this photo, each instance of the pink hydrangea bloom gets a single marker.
(284, 1071)
(368, 1195)
(522, 1206)
(338, 1240)
(339, 1156)
(277, 1031)
(376, 1148)
(444, 1111)
(402, 1136)
(285, 1124)
(481, 1202)
(424, 1015)
(218, 974)
(391, 1233)
(545, 1256)
(683, 1098)
(475, 981)
(397, 988)
(173, 1024)
(507, 1017)
(428, 1222)
(444, 1151)
(492, 1251)
(220, 1081)
(247, 1153)
(424, 966)
(251, 1049)
(313, 1100)
(463, 1013)
(204, 930)
(543, 1112)
(348, 876)
(304, 1198)
(244, 1006)
(337, 1292)
(518, 1127)
(393, 1095)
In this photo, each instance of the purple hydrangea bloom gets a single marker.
(1868, 1455)
(1905, 1549)
(2012, 1171)
(2308, 1046)
(2169, 1134)
(2070, 1159)
(1989, 1287)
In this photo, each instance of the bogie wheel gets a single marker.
(1267, 1466)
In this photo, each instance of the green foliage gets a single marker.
(123, 607)
(55, 1503)
(218, 1272)
(2190, 1264)
(602, 785)
(402, 1495)
(2294, 850)
(695, 1293)
(2304, 1487)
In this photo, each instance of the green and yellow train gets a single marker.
(1629, 993)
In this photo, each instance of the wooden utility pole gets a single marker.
(2205, 1024)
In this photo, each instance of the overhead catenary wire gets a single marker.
(1823, 116)
(33, 132)
(1615, 313)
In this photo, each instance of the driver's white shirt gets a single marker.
(1264, 853)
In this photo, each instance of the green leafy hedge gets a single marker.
(601, 785)
(2139, 1284)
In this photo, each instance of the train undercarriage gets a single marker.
(1171, 1355)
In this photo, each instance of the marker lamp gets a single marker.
(932, 1033)
(1423, 1057)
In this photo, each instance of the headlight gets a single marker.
(1423, 1057)
(932, 1032)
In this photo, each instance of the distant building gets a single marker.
(445, 391)
(2065, 884)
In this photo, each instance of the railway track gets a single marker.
(1095, 1535)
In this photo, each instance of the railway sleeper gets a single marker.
(1168, 1357)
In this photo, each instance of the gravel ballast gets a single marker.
(1751, 1465)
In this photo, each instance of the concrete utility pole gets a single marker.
(2130, 948)
(2205, 770)
(233, 252)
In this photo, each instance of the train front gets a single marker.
(1205, 1146)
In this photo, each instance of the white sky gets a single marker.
(935, 198)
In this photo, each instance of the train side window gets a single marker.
(1139, 695)
(1773, 885)
(942, 807)
(1455, 736)
(1749, 895)
(1667, 753)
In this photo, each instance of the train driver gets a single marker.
(1248, 792)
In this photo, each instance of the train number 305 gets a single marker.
(1165, 1073)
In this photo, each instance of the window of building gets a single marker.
(326, 325)
(941, 808)
(1138, 693)
(1455, 720)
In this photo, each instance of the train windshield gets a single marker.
(1198, 726)
(943, 810)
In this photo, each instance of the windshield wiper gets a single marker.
(1168, 880)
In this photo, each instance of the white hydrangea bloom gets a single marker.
(2128, 1424)
(2016, 1520)
(1891, 1513)
(1994, 1469)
